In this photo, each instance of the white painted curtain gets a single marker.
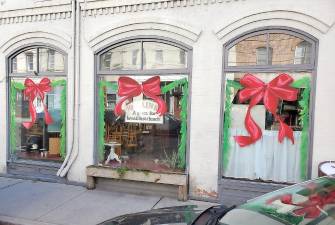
(267, 159)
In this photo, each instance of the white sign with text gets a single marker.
(142, 111)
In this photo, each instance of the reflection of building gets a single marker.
(205, 42)
(155, 55)
(282, 49)
(49, 59)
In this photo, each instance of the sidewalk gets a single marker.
(28, 202)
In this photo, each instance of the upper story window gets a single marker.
(143, 55)
(37, 60)
(270, 48)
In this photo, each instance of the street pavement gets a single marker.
(26, 202)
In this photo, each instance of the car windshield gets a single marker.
(308, 203)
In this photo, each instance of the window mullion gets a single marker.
(37, 61)
(142, 55)
(267, 48)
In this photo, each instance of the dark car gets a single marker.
(308, 203)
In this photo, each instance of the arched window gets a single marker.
(140, 77)
(268, 80)
(37, 104)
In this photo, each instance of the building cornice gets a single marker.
(44, 12)
(106, 7)
(35, 14)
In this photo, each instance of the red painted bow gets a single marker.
(129, 88)
(32, 91)
(256, 90)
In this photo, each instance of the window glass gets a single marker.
(264, 56)
(125, 57)
(140, 137)
(267, 158)
(51, 60)
(244, 53)
(283, 49)
(163, 56)
(25, 62)
(41, 141)
(287, 49)
(303, 53)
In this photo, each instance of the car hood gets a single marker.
(170, 215)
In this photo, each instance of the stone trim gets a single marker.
(29, 36)
(145, 26)
(305, 22)
(96, 8)
(36, 14)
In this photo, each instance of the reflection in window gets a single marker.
(261, 56)
(271, 49)
(303, 53)
(163, 56)
(125, 57)
(182, 57)
(244, 53)
(25, 62)
(284, 48)
(49, 61)
(155, 56)
(30, 61)
(136, 56)
(159, 56)
(264, 56)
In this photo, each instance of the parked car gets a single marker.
(308, 203)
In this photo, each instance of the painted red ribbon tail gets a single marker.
(32, 111)
(252, 128)
(47, 116)
(284, 131)
(118, 107)
(161, 110)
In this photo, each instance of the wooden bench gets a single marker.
(176, 179)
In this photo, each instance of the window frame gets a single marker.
(311, 67)
(36, 73)
(10, 75)
(147, 72)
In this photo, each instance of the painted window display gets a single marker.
(143, 118)
(266, 114)
(37, 106)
